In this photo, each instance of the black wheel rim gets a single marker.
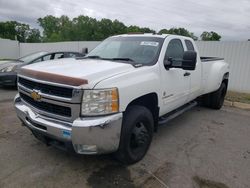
(139, 139)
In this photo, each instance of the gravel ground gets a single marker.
(7, 93)
(202, 148)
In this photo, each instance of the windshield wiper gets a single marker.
(92, 57)
(89, 57)
(131, 61)
(113, 59)
(122, 59)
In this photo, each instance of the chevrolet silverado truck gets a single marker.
(115, 98)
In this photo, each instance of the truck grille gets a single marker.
(47, 107)
(47, 89)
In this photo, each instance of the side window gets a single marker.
(47, 57)
(72, 55)
(189, 45)
(175, 49)
(58, 55)
(37, 60)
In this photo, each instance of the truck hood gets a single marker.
(93, 70)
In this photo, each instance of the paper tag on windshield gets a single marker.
(149, 43)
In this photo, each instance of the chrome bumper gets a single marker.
(92, 135)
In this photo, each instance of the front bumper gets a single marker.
(8, 78)
(90, 135)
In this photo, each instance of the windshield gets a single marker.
(31, 57)
(141, 50)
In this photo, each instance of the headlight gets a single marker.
(100, 102)
(8, 69)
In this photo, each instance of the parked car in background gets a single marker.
(8, 69)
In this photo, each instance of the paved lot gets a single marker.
(7, 93)
(202, 149)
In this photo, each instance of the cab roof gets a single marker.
(151, 35)
(142, 35)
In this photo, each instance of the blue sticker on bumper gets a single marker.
(66, 134)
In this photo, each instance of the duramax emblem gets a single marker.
(35, 95)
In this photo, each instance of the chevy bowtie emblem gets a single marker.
(35, 95)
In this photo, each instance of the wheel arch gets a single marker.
(150, 101)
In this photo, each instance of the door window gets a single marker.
(189, 45)
(47, 57)
(58, 55)
(72, 55)
(37, 60)
(175, 50)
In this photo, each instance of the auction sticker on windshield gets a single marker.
(149, 43)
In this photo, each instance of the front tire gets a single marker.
(136, 134)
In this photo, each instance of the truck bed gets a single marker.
(206, 59)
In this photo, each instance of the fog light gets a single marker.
(85, 149)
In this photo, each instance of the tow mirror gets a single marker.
(168, 62)
(189, 60)
(173, 63)
(187, 63)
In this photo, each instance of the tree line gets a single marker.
(83, 28)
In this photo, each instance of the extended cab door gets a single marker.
(175, 82)
(195, 75)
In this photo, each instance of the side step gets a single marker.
(171, 115)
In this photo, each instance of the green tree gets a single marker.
(118, 27)
(105, 26)
(133, 29)
(178, 31)
(51, 26)
(22, 32)
(8, 30)
(193, 36)
(85, 28)
(147, 30)
(65, 28)
(163, 31)
(34, 36)
(210, 36)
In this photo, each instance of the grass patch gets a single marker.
(238, 97)
(5, 59)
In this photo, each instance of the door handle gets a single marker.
(186, 74)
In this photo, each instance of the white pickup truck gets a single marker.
(113, 99)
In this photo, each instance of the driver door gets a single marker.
(175, 83)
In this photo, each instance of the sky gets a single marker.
(229, 18)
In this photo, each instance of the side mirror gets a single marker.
(168, 63)
(187, 63)
(189, 60)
